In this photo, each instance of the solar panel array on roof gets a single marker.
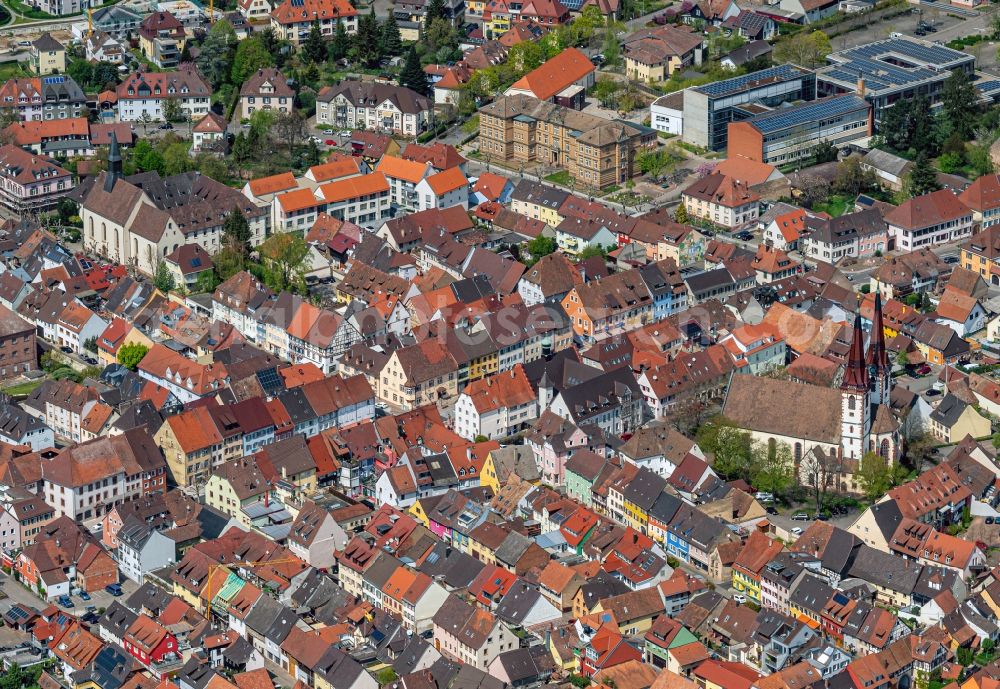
(806, 113)
(269, 380)
(748, 81)
(893, 63)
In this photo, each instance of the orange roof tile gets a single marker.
(354, 187)
(400, 168)
(556, 74)
(275, 183)
(446, 181)
(298, 200)
(335, 168)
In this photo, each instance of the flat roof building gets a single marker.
(709, 109)
(793, 132)
(892, 69)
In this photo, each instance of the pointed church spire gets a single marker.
(877, 357)
(856, 375)
(114, 164)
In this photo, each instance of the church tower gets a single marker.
(877, 359)
(114, 165)
(855, 423)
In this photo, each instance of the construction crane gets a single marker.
(90, 22)
(212, 568)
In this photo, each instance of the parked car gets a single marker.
(90, 360)
(84, 596)
(114, 589)
(763, 497)
(66, 350)
(330, 142)
(739, 598)
(800, 517)
(166, 125)
(950, 259)
(89, 618)
(919, 32)
(796, 531)
(328, 131)
(65, 601)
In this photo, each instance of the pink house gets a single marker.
(553, 441)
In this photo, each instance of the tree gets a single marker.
(290, 128)
(541, 246)
(207, 281)
(874, 476)
(251, 55)
(228, 262)
(853, 179)
(366, 40)
(612, 47)
(90, 344)
(392, 44)
(922, 178)
(960, 103)
(435, 10)
(681, 214)
(284, 257)
(236, 232)
(314, 47)
(341, 42)
(586, 25)
(734, 456)
(147, 158)
(172, 111)
(413, 75)
(164, 280)
(773, 467)
(804, 49)
(176, 159)
(965, 656)
(591, 251)
(441, 38)
(131, 353)
(215, 59)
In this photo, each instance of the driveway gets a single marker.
(16, 593)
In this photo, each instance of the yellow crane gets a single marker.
(212, 568)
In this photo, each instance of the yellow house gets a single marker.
(484, 540)
(635, 516)
(539, 202)
(189, 441)
(484, 365)
(506, 464)
(419, 513)
(118, 334)
(655, 55)
(953, 419)
(235, 485)
(475, 7)
(417, 375)
(48, 56)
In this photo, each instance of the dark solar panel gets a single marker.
(807, 113)
(270, 380)
(737, 84)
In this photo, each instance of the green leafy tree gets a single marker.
(207, 281)
(681, 214)
(435, 10)
(366, 40)
(164, 279)
(242, 150)
(413, 75)
(284, 257)
(130, 354)
(773, 467)
(965, 656)
(215, 59)
(853, 179)
(734, 456)
(612, 46)
(172, 110)
(236, 232)
(591, 251)
(314, 47)
(874, 476)
(147, 158)
(441, 38)
(392, 44)
(251, 55)
(806, 49)
(541, 246)
(290, 129)
(960, 103)
(228, 261)
(922, 178)
(590, 21)
(176, 159)
(341, 42)
(90, 344)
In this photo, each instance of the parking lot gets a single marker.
(99, 600)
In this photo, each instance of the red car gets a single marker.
(330, 142)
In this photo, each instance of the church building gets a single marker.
(827, 429)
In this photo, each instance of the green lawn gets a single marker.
(10, 70)
(23, 388)
(835, 206)
(561, 178)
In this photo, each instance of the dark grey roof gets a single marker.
(665, 507)
(516, 605)
(449, 565)
(948, 411)
(709, 280)
(840, 551)
(811, 593)
(539, 194)
(888, 571)
(599, 394)
(295, 403)
(749, 51)
(645, 488)
(512, 548)
(117, 618)
(887, 517)
(381, 569)
(602, 585)
(111, 668)
(15, 423)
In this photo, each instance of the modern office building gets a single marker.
(791, 133)
(892, 69)
(709, 109)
